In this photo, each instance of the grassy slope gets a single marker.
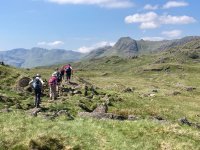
(113, 75)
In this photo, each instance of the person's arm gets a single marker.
(72, 72)
(30, 82)
(42, 81)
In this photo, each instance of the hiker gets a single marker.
(52, 86)
(37, 83)
(69, 72)
(62, 72)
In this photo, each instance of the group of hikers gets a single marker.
(54, 81)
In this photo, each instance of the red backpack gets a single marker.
(52, 80)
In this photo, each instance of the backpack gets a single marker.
(37, 83)
(59, 76)
(68, 70)
(52, 80)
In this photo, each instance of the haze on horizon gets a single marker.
(83, 25)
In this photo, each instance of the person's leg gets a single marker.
(39, 97)
(50, 92)
(53, 92)
(35, 102)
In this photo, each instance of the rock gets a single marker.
(132, 117)
(84, 107)
(23, 82)
(77, 92)
(155, 90)
(118, 117)
(104, 74)
(158, 118)
(45, 143)
(185, 121)
(162, 60)
(152, 95)
(190, 88)
(28, 89)
(101, 109)
(128, 90)
(4, 98)
(35, 111)
(62, 112)
(176, 93)
(18, 106)
(5, 110)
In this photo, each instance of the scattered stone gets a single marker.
(128, 90)
(84, 107)
(155, 90)
(101, 109)
(28, 89)
(85, 90)
(4, 98)
(46, 143)
(176, 93)
(190, 88)
(185, 121)
(162, 60)
(132, 117)
(152, 95)
(77, 92)
(6, 110)
(158, 118)
(35, 111)
(104, 74)
(18, 106)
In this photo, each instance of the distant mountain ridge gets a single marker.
(127, 47)
(124, 47)
(28, 58)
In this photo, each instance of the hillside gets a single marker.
(152, 101)
(38, 57)
(127, 47)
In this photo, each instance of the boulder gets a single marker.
(23, 82)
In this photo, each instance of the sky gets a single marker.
(83, 25)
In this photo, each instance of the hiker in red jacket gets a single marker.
(52, 86)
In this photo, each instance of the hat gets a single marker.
(38, 75)
(54, 74)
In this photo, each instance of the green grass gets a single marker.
(111, 76)
(18, 129)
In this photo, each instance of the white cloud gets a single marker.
(86, 49)
(172, 33)
(172, 4)
(168, 19)
(140, 18)
(152, 20)
(150, 7)
(149, 25)
(50, 44)
(154, 38)
(101, 3)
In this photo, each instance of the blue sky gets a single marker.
(83, 25)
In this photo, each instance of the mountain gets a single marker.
(38, 57)
(127, 47)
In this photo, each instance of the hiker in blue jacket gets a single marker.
(37, 83)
